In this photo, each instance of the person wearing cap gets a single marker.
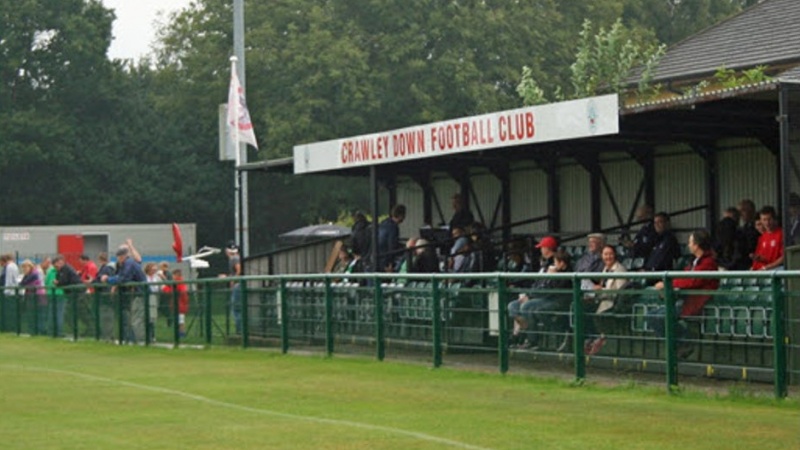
(545, 308)
(519, 309)
(425, 259)
(235, 270)
(129, 271)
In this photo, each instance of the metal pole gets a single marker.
(328, 317)
(577, 306)
(502, 321)
(241, 151)
(779, 339)
(670, 317)
(380, 341)
(436, 310)
(373, 182)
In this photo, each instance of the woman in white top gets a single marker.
(604, 301)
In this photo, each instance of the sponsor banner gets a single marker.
(572, 119)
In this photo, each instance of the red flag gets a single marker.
(177, 242)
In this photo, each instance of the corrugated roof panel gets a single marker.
(680, 185)
(528, 199)
(746, 173)
(576, 210)
(410, 193)
(766, 33)
(487, 190)
(624, 178)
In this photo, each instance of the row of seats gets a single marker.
(740, 308)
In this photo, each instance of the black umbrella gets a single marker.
(313, 233)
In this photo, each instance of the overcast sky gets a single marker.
(134, 28)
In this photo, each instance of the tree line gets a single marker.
(88, 140)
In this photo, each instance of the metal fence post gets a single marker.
(176, 327)
(380, 344)
(245, 315)
(436, 322)
(121, 322)
(502, 325)
(97, 334)
(51, 298)
(2, 311)
(577, 306)
(284, 316)
(779, 338)
(74, 298)
(207, 322)
(19, 313)
(328, 317)
(146, 295)
(669, 334)
(34, 304)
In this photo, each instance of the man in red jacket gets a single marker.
(692, 305)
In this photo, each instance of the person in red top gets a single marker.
(700, 247)
(183, 299)
(769, 252)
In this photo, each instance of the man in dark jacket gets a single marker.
(388, 239)
(67, 275)
(666, 249)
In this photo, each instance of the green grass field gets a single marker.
(56, 394)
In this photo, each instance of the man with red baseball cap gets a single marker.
(520, 317)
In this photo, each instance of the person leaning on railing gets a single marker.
(129, 271)
(700, 247)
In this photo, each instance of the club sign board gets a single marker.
(574, 119)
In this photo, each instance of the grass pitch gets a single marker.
(56, 394)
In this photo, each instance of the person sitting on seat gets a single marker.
(544, 306)
(600, 302)
(769, 252)
(592, 260)
(425, 260)
(642, 244)
(666, 248)
(700, 247)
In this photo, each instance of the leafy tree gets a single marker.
(603, 62)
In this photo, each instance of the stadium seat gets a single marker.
(724, 325)
(741, 321)
(627, 263)
(710, 320)
(758, 322)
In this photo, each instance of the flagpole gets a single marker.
(237, 174)
(241, 149)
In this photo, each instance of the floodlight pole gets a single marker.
(243, 219)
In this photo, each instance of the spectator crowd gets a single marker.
(44, 288)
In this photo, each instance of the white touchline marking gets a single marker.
(210, 401)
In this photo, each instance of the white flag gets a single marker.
(239, 125)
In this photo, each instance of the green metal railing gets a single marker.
(454, 315)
